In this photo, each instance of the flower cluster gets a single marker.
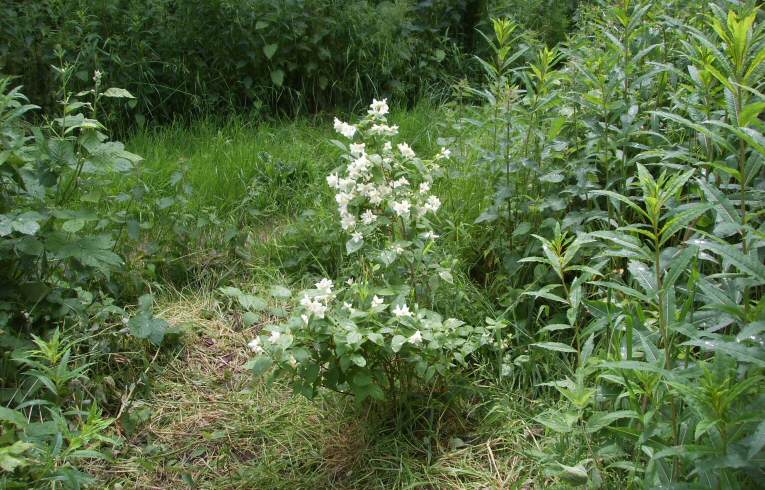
(379, 180)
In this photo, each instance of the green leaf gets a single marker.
(397, 342)
(269, 50)
(757, 441)
(599, 420)
(13, 416)
(643, 275)
(259, 365)
(249, 319)
(554, 346)
(358, 360)
(277, 77)
(119, 93)
(27, 223)
(145, 326)
(747, 265)
(576, 475)
(10, 455)
(561, 423)
(280, 292)
(73, 225)
(353, 245)
(253, 303)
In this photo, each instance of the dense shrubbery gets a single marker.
(195, 57)
(61, 274)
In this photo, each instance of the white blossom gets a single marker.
(378, 108)
(377, 301)
(424, 187)
(387, 147)
(325, 287)
(304, 317)
(347, 221)
(293, 362)
(399, 183)
(416, 338)
(314, 306)
(401, 207)
(383, 130)
(368, 217)
(343, 198)
(406, 150)
(444, 154)
(401, 311)
(333, 181)
(255, 346)
(357, 237)
(432, 204)
(274, 337)
(357, 149)
(345, 129)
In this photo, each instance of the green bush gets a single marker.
(186, 58)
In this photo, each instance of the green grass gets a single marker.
(275, 168)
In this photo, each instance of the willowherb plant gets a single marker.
(374, 337)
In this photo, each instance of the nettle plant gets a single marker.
(372, 334)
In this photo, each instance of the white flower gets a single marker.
(432, 204)
(293, 362)
(376, 301)
(406, 150)
(333, 182)
(345, 183)
(274, 337)
(347, 221)
(357, 237)
(325, 286)
(359, 167)
(97, 76)
(383, 130)
(357, 149)
(317, 309)
(304, 317)
(424, 187)
(378, 108)
(350, 281)
(401, 207)
(398, 249)
(400, 183)
(416, 338)
(343, 198)
(445, 153)
(255, 346)
(348, 306)
(314, 307)
(387, 146)
(368, 217)
(401, 311)
(345, 129)
(429, 235)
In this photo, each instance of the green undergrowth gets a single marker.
(207, 424)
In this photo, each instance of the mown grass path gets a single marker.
(207, 424)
